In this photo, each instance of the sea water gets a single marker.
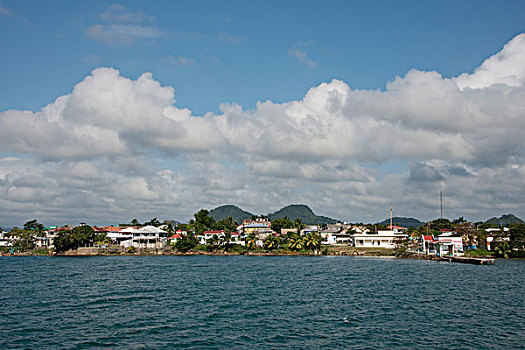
(210, 302)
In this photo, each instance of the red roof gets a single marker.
(213, 232)
(107, 229)
(177, 235)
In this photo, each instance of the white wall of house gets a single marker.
(383, 239)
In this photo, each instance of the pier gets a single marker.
(466, 260)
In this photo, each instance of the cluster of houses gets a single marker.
(150, 237)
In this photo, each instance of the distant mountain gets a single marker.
(234, 211)
(302, 212)
(505, 220)
(404, 222)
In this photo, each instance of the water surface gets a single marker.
(204, 302)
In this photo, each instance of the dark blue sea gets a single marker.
(229, 302)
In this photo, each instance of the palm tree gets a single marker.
(295, 242)
(298, 224)
(212, 243)
(503, 249)
(226, 240)
(169, 228)
(313, 241)
(271, 242)
(251, 241)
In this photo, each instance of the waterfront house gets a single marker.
(451, 241)
(381, 239)
(427, 244)
(174, 238)
(448, 243)
(210, 234)
(335, 235)
(117, 235)
(149, 237)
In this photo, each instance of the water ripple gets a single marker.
(239, 302)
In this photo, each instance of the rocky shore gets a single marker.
(115, 251)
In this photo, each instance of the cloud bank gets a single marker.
(117, 148)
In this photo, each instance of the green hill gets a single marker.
(234, 211)
(404, 222)
(302, 212)
(504, 220)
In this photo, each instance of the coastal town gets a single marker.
(260, 235)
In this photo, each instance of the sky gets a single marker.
(111, 111)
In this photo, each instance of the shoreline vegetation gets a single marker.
(260, 236)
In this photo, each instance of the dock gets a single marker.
(465, 260)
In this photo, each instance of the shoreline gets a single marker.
(331, 251)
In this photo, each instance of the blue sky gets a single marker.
(393, 63)
(239, 51)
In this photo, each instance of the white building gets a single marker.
(5, 241)
(149, 237)
(143, 237)
(381, 239)
(335, 235)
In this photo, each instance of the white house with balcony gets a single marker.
(149, 237)
(381, 239)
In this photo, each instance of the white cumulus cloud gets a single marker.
(121, 146)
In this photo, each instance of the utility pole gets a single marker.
(441, 202)
(391, 227)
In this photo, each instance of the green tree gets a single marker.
(271, 242)
(471, 236)
(251, 241)
(312, 241)
(33, 225)
(169, 227)
(83, 235)
(298, 225)
(227, 224)
(433, 227)
(186, 243)
(135, 222)
(295, 242)
(62, 241)
(203, 221)
(26, 240)
(459, 220)
(79, 236)
(212, 244)
(503, 249)
(101, 238)
(517, 239)
(226, 240)
(153, 222)
(279, 224)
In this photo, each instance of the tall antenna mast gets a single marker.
(391, 227)
(441, 202)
